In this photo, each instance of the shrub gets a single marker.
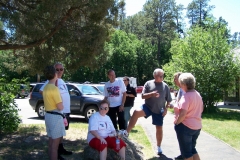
(10, 119)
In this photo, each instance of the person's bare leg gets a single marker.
(191, 158)
(196, 157)
(133, 120)
(159, 135)
(122, 153)
(49, 146)
(103, 154)
(61, 140)
(54, 148)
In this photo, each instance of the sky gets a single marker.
(228, 9)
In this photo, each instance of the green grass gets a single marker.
(30, 141)
(138, 135)
(224, 125)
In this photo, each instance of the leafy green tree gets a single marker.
(43, 32)
(122, 53)
(146, 62)
(206, 54)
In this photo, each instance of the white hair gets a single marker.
(187, 79)
(158, 70)
(58, 63)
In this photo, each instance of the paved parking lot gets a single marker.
(29, 116)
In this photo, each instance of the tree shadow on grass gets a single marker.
(222, 115)
(29, 143)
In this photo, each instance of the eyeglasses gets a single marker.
(124, 80)
(59, 69)
(104, 108)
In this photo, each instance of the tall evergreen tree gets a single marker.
(160, 26)
(198, 11)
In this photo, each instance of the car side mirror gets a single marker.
(74, 92)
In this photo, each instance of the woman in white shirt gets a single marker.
(102, 134)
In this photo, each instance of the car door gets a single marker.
(75, 97)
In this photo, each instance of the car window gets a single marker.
(87, 89)
(73, 91)
(37, 87)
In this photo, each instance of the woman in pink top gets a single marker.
(188, 121)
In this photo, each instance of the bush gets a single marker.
(10, 119)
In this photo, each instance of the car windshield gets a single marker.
(88, 90)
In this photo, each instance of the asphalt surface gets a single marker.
(208, 147)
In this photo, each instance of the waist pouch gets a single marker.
(56, 113)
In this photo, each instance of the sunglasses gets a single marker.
(124, 80)
(104, 108)
(60, 69)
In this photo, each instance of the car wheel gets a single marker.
(90, 111)
(41, 110)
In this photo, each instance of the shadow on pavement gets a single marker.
(162, 157)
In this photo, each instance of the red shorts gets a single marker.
(111, 143)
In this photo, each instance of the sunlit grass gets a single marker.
(138, 135)
(224, 125)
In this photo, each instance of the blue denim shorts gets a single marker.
(187, 139)
(157, 119)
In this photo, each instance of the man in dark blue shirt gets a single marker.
(130, 96)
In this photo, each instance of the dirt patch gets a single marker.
(31, 143)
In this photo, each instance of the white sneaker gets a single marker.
(123, 133)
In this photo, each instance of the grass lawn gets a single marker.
(30, 141)
(224, 125)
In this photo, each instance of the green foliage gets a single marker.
(206, 54)
(43, 32)
(124, 53)
(9, 120)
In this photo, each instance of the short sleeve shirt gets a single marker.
(64, 94)
(114, 92)
(51, 97)
(155, 104)
(102, 124)
(193, 104)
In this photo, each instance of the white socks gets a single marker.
(159, 150)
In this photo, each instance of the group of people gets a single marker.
(114, 112)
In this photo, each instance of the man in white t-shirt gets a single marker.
(115, 93)
(66, 102)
